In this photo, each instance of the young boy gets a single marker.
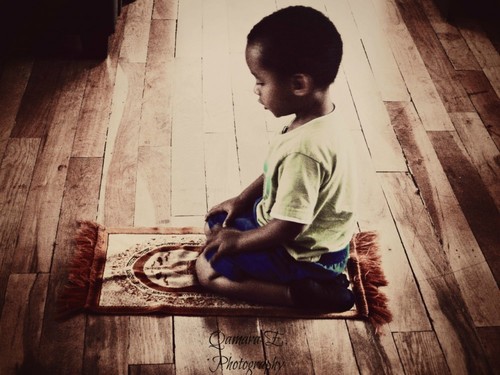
(285, 239)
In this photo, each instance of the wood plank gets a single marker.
(440, 69)
(36, 110)
(14, 78)
(493, 74)
(21, 322)
(240, 346)
(420, 353)
(189, 29)
(152, 195)
(117, 206)
(481, 149)
(330, 347)
(163, 369)
(161, 46)
(115, 40)
(156, 118)
(106, 345)
(446, 307)
(451, 39)
(16, 171)
(456, 48)
(221, 167)
(66, 338)
(197, 221)
(478, 41)
(188, 160)
(165, 9)
(217, 97)
(490, 26)
(140, 10)
(420, 85)
(485, 100)
(344, 104)
(193, 354)
(135, 41)
(474, 82)
(461, 248)
(35, 244)
(134, 47)
(490, 339)
(382, 142)
(376, 44)
(151, 340)
(215, 40)
(405, 301)
(475, 201)
(90, 138)
(375, 353)
(288, 350)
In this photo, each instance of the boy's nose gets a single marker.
(256, 90)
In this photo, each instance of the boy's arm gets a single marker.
(241, 202)
(266, 237)
(253, 191)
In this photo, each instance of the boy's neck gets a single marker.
(319, 104)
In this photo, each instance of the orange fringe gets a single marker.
(371, 301)
(73, 299)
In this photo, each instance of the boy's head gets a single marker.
(296, 40)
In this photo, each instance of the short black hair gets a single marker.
(299, 39)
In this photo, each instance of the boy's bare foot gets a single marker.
(332, 296)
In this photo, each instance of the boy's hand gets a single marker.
(225, 240)
(232, 207)
(239, 204)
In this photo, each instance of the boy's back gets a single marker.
(309, 179)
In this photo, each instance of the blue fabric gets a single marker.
(246, 222)
(272, 265)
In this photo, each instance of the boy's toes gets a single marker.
(341, 280)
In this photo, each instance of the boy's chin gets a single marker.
(277, 113)
(281, 114)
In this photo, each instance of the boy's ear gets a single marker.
(301, 83)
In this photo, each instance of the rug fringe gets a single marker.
(372, 278)
(73, 298)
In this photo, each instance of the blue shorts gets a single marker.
(273, 265)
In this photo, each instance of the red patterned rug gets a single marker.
(151, 270)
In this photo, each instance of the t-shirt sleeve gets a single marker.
(299, 181)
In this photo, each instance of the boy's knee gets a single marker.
(207, 229)
(204, 271)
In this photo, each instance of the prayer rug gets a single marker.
(151, 270)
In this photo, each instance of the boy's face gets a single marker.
(275, 93)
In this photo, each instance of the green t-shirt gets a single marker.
(309, 179)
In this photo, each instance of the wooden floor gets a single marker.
(168, 125)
